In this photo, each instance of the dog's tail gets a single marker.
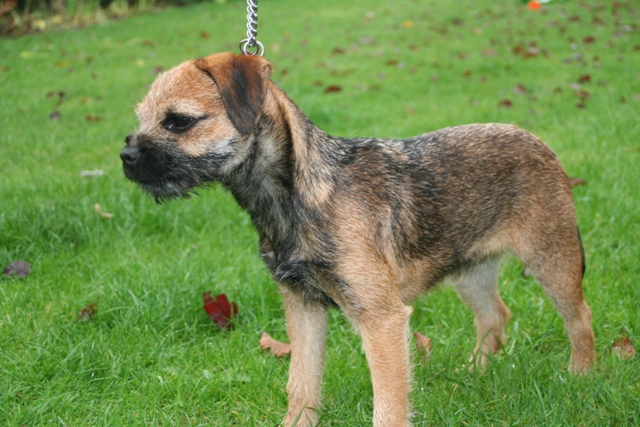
(584, 264)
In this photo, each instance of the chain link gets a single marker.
(251, 42)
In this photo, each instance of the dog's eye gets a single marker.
(177, 122)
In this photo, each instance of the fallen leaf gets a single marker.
(93, 118)
(589, 40)
(584, 78)
(423, 344)
(204, 35)
(220, 310)
(624, 348)
(337, 51)
(506, 103)
(530, 52)
(520, 89)
(489, 52)
(156, 70)
(103, 215)
(576, 182)
(583, 94)
(333, 89)
(407, 24)
(534, 5)
(18, 269)
(87, 312)
(278, 348)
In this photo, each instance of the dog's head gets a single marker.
(196, 123)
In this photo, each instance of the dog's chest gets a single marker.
(312, 278)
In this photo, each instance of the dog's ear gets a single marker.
(242, 81)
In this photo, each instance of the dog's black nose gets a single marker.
(130, 154)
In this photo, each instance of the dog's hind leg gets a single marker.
(478, 287)
(385, 335)
(558, 265)
(307, 330)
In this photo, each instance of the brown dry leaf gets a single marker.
(93, 118)
(624, 348)
(423, 344)
(575, 182)
(506, 103)
(87, 313)
(520, 89)
(278, 348)
(333, 89)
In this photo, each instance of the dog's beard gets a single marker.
(169, 173)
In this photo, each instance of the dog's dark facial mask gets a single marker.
(165, 171)
(193, 130)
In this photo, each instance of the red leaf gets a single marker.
(506, 103)
(589, 39)
(333, 89)
(584, 78)
(220, 310)
(87, 312)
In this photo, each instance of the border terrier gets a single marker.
(365, 224)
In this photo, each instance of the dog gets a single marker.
(365, 224)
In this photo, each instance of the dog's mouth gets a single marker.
(163, 186)
(168, 173)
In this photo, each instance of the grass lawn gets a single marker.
(150, 356)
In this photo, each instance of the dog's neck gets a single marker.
(286, 168)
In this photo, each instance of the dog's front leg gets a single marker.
(307, 329)
(385, 335)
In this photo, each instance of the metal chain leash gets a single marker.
(251, 42)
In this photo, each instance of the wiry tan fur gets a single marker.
(365, 224)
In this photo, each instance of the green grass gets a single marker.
(150, 356)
